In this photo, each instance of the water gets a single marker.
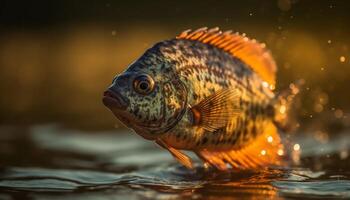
(50, 162)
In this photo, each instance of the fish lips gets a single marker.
(114, 100)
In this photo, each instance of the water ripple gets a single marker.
(78, 165)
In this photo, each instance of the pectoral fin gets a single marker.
(215, 111)
(178, 155)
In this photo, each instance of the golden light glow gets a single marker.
(263, 152)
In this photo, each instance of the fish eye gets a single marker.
(143, 84)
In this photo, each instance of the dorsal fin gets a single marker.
(248, 50)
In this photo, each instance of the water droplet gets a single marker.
(280, 152)
(342, 59)
(344, 154)
(206, 165)
(318, 107)
(296, 147)
(283, 109)
(322, 98)
(284, 5)
(265, 84)
(270, 139)
(321, 136)
(338, 113)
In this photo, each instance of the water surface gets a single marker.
(51, 162)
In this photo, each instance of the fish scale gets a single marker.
(217, 78)
(206, 91)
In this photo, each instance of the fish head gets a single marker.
(148, 96)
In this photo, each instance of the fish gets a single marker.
(209, 92)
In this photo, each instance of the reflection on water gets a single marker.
(48, 162)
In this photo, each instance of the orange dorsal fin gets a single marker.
(264, 150)
(248, 50)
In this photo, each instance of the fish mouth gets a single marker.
(114, 100)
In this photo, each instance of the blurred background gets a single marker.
(57, 140)
(57, 58)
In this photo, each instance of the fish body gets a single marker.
(205, 71)
(205, 91)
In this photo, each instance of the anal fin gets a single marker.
(178, 155)
(265, 150)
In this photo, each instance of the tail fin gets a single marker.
(283, 106)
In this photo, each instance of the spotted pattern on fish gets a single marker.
(205, 91)
(209, 70)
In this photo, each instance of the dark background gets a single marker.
(56, 58)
